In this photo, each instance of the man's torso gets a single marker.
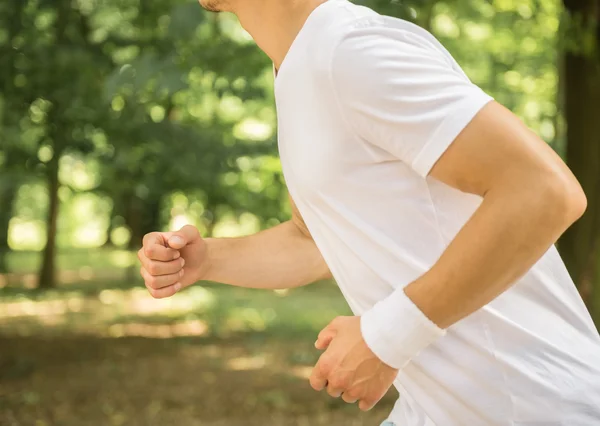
(532, 355)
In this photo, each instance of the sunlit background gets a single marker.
(123, 117)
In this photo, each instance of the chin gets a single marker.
(212, 5)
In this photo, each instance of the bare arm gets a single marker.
(530, 198)
(284, 256)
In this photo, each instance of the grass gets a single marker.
(72, 259)
(103, 352)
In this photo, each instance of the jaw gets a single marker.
(216, 5)
(212, 5)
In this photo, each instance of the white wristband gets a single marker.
(396, 330)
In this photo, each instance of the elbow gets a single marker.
(565, 196)
(578, 202)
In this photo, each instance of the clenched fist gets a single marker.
(172, 261)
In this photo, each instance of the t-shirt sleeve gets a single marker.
(408, 99)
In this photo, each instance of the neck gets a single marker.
(274, 24)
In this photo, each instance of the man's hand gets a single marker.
(348, 367)
(172, 261)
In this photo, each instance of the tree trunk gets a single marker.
(108, 244)
(8, 190)
(8, 193)
(47, 276)
(133, 220)
(151, 216)
(580, 245)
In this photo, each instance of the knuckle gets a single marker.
(339, 320)
(153, 268)
(152, 283)
(326, 364)
(337, 383)
(189, 230)
(371, 397)
(148, 251)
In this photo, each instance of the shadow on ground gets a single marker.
(212, 356)
(139, 381)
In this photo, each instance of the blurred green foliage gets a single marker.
(120, 117)
(111, 109)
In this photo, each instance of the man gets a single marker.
(436, 211)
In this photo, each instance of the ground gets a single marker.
(100, 351)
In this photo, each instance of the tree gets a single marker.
(580, 246)
(160, 145)
(60, 96)
(12, 109)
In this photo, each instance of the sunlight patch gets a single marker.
(247, 363)
(160, 331)
(302, 371)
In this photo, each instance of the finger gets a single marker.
(365, 404)
(350, 396)
(159, 252)
(334, 392)
(186, 235)
(161, 293)
(321, 372)
(337, 383)
(327, 335)
(324, 339)
(157, 268)
(317, 380)
(154, 238)
(161, 281)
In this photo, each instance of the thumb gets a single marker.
(186, 235)
(324, 340)
(326, 336)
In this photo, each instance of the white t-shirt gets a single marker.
(366, 105)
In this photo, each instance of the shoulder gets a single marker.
(386, 42)
(349, 42)
(328, 27)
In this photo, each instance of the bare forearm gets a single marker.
(280, 257)
(510, 231)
